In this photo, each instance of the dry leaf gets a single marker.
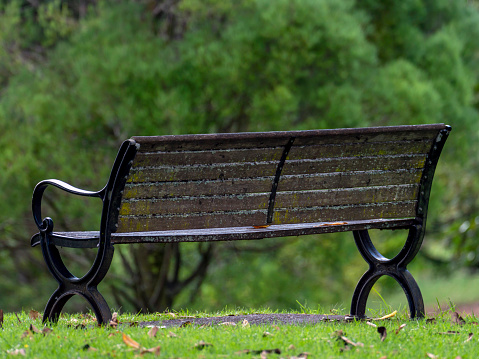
(457, 319)
(89, 348)
(245, 323)
(432, 356)
(430, 320)
(172, 335)
(470, 337)
(202, 344)
(185, 324)
(17, 352)
(449, 332)
(130, 342)
(347, 341)
(114, 321)
(155, 350)
(372, 324)
(383, 333)
(33, 314)
(264, 226)
(400, 327)
(228, 324)
(152, 332)
(34, 329)
(291, 347)
(388, 316)
(267, 334)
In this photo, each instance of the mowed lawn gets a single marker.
(444, 336)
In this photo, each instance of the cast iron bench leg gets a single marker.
(69, 285)
(395, 268)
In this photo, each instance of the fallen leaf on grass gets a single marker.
(130, 342)
(114, 321)
(233, 324)
(245, 323)
(449, 332)
(202, 344)
(172, 335)
(457, 319)
(350, 342)
(387, 316)
(430, 320)
(16, 352)
(267, 334)
(399, 329)
(153, 331)
(432, 356)
(155, 350)
(470, 337)
(383, 333)
(33, 314)
(372, 324)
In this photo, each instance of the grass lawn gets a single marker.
(78, 337)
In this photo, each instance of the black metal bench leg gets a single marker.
(69, 285)
(395, 268)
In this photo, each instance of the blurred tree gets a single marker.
(190, 66)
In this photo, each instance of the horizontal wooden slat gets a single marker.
(281, 138)
(197, 188)
(184, 205)
(152, 159)
(377, 163)
(359, 149)
(197, 220)
(203, 172)
(348, 179)
(345, 213)
(335, 197)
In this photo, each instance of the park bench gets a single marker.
(243, 186)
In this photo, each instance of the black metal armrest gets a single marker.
(38, 195)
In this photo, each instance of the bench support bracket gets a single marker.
(395, 268)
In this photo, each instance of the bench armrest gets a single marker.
(38, 195)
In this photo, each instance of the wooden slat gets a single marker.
(196, 220)
(345, 213)
(335, 197)
(197, 188)
(359, 149)
(348, 179)
(375, 163)
(185, 205)
(203, 172)
(152, 159)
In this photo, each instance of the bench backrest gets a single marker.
(256, 179)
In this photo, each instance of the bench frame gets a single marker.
(110, 195)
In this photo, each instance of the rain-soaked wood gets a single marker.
(244, 186)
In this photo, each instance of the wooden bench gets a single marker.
(221, 187)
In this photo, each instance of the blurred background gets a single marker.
(79, 77)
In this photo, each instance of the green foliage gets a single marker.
(73, 87)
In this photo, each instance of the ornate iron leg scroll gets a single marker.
(395, 268)
(69, 285)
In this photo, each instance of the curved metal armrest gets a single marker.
(38, 195)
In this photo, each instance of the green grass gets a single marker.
(78, 337)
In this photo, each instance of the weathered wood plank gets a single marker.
(348, 179)
(203, 172)
(335, 197)
(197, 188)
(359, 149)
(345, 213)
(208, 157)
(195, 220)
(198, 204)
(375, 163)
